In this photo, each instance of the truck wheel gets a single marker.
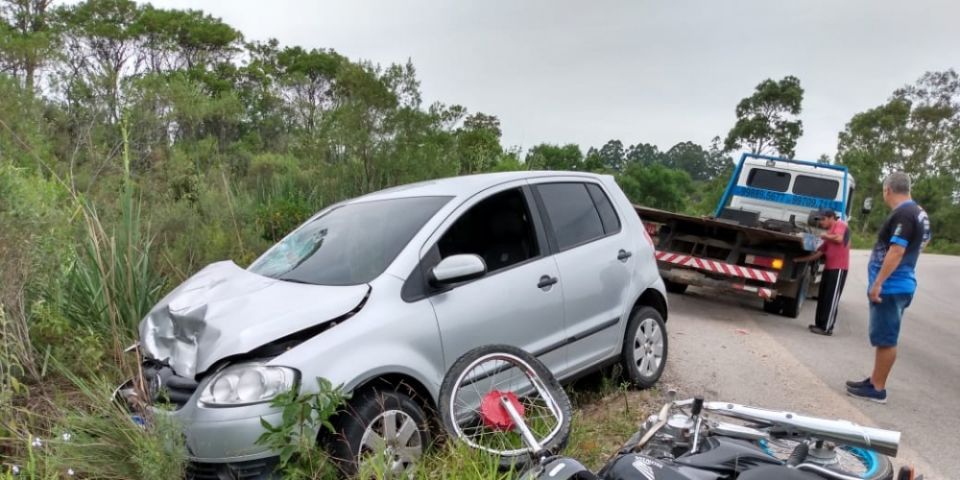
(675, 287)
(774, 306)
(792, 306)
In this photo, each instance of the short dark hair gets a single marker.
(827, 213)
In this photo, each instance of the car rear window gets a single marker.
(769, 179)
(349, 245)
(608, 215)
(816, 187)
(572, 214)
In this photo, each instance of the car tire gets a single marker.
(675, 287)
(368, 416)
(645, 337)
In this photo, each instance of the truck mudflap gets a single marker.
(717, 267)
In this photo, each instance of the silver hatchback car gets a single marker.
(382, 293)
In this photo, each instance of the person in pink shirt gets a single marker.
(835, 250)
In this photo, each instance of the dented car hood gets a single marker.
(225, 310)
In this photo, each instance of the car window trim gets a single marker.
(421, 288)
(551, 232)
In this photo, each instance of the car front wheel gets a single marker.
(381, 434)
(645, 347)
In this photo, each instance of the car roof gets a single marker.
(464, 186)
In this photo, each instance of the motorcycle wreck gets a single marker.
(685, 440)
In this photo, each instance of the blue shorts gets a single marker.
(885, 318)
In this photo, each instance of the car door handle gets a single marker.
(546, 281)
(623, 255)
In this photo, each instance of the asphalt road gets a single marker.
(727, 348)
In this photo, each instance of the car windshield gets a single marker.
(349, 245)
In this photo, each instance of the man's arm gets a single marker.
(833, 237)
(890, 263)
(811, 257)
(836, 237)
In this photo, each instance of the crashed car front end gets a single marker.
(208, 351)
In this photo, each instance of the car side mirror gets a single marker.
(457, 268)
(867, 205)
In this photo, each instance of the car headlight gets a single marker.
(248, 383)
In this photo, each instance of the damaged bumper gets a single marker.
(215, 435)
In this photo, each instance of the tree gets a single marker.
(656, 186)
(554, 157)
(27, 38)
(643, 154)
(612, 156)
(916, 131)
(767, 121)
(478, 143)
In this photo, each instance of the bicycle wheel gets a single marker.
(845, 459)
(473, 396)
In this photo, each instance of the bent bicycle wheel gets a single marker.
(493, 393)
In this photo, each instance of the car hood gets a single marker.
(225, 310)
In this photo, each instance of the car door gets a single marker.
(595, 261)
(519, 301)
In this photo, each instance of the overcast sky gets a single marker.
(656, 71)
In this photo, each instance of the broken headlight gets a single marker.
(248, 383)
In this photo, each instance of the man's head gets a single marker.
(896, 189)
(827, 218)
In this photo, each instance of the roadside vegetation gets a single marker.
(139, 144)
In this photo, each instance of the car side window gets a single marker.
(499, 229)
(608, 215)
(573, 216)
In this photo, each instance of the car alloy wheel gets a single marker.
(391, 445)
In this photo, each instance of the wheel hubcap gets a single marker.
(648, 347)
(391, 445)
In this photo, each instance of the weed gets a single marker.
(295, 438)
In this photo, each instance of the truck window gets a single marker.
(816, 187)
(571, 211)
(608, 215)
(769, 179)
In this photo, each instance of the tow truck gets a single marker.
(767, 216)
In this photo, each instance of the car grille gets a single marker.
(254, 469)
(165, 386)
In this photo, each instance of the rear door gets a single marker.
(595, 259)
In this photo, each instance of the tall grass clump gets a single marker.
(111, 284)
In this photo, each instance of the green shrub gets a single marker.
(295, 438)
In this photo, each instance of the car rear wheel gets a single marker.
(645, 347)
(382, 434)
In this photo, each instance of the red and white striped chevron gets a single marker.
(764, 293)
(714, 266)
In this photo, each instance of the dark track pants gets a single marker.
(828, 301)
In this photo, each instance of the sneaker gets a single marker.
(868, 393)
(862, 383)
(820, 331)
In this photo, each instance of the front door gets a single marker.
(519, 301)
